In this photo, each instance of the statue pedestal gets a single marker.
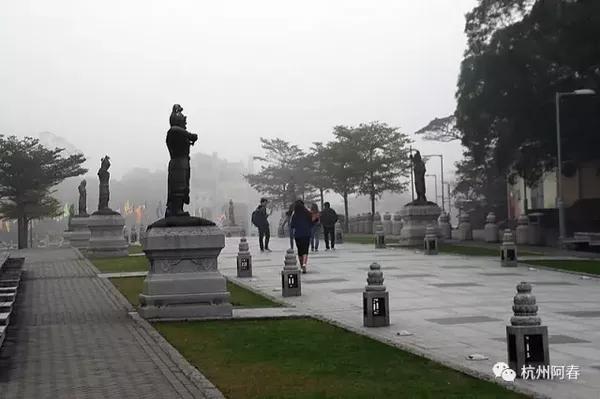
(183, 281)
(106, 235)
(416, 219)
(80, 232)
(232, 231)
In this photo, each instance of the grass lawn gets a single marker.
(121, 264)
(306, 358)
(131, 287)
(135, 249)
(585, 266)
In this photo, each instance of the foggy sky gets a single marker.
(104, 74)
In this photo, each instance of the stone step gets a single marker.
(4, 318)
(7, 297)
(8, 290)
(9, 283)
(2, 334)
(6, 307)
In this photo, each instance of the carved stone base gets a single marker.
(183, 281)
(80, 232)
(416, 220)
(106, 235)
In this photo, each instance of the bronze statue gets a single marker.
(179, 141)
(82, 198)
(231, 215)
(419, 173)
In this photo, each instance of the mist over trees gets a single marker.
(368, 159)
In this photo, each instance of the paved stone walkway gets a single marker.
(72, 338)
(454, 305)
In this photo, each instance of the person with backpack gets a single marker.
(316, 227)
(301, 225)
(328, 220)
(288, 216)
(261, 221)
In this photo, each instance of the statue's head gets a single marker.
(83, 183)
(417, 155)
(105, 163)
(177, 117)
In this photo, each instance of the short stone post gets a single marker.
(465, 230)
(522, 230)
(376, 301)
(526, 338)
(491, 228)
(387, 224)
(431, 241)
(379, 237)
(244, 259)
(361, 224)
(339, 233)
(444, 226)
(290, 276)
(508, 250)
(397, 224)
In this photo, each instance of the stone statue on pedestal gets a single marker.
(179, 141)
(104, 191)
(82, 198)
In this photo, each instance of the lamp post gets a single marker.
(441, 177)
(559, 187)
(435, 181)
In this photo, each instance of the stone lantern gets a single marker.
(526, 338)
(379, 237)
(387, 224)
(339, 233)
(491, 228)
(465, 230)
(444, 226)
(522, 230)
(376, 301)
(290, 276)
(508, 250)
(431, 241)
(244, 259)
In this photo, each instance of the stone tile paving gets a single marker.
(72, 338)
(571, 309)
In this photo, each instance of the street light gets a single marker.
(435, 181)
(559, 186)
(442, 175)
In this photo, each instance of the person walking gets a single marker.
(261, 221)
(316, 227)
(301, 225)
(328, 219)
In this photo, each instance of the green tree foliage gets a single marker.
(318, 179)
(440, 129)
(383, 155)
(28, 172)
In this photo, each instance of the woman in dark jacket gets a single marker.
(301, 225)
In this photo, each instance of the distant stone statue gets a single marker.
(104, 176)
(419, 174)
(231, 215)
(179, 141)
(82, 198)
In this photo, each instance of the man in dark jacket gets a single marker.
(328, 219)
(260, 220)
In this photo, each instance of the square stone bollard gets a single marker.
(526, 338)
(397, 224)
(376, 301)
(508, 250)
(522, 234)
(244, 259)
(430, 242)
(490, 231)
(290, 276)
(444, 226)
(387, 224)
(379, 237)
(339, 233)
